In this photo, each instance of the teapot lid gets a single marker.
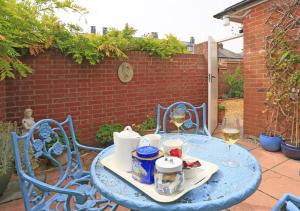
(129, 133)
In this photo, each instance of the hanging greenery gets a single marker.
(283, 70)
(29, 27)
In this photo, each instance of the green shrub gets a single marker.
(105, 133)
(235, 83)
(148, 124)
(222, 108)
(31, 27)
(61, 140)
(6, 155)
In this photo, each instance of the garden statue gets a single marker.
(28, 120)
(27, 123)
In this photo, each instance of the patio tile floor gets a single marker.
(280, 175)
(258, 201)
(276, 185)
(267, 159)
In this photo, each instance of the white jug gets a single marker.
(125, 142)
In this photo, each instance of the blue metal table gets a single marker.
(225, 188)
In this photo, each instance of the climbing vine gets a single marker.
(283, 70)
(29, 27)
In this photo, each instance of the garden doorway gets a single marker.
(230, 84)
(225, 84)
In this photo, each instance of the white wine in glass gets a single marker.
(178, 117)
(178, 120)
(231, 132)
(231, 135)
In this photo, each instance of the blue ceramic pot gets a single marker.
(290, 151)
(270, 143)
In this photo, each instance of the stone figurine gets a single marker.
(27, 123)
(28, 120)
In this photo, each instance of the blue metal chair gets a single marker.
(288, 202)
(192, 122)
(72, 189)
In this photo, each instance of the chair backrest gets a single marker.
(191, 122)
(47, 139)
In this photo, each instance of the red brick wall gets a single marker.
(202, 49)
(93, 95)
(2, 101)
(255, 80)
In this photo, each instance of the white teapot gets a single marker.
(125, 142)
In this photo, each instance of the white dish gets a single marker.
(204, 172)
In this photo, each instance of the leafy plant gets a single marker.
(6, 155)
(61, 140)
(234, 82)
(148, 124)
(30, 27)
(105, 133)
(282, 62)
(221, 107)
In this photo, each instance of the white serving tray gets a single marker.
(204, 172)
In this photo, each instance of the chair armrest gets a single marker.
(283, 199)
(80, 197)
(80, 146)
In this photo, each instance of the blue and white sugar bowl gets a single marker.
(143, 163)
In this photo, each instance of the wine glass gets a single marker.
(178, 117)
(231, 132)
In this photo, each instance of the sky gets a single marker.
(182, 18)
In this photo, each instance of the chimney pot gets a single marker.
(104, 30)
(93, 29)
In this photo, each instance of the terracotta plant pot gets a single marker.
(270, 143)
(149, 131)
(290, 151)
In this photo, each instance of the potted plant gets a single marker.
(6, 155)
(282, 63)
(291, 144)
(105, 132)
(271, 140)
(221, 113)
(63, 158)
(146, 127)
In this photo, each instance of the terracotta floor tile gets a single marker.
(120, 208)
(263, 169)
(276, 184)
(249, 145)
(258, 202)
(290, 168)
(268, 159)
(13, 206)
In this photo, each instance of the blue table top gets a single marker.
(225, 188)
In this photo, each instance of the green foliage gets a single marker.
(105, 133)
(148, 124)
(31, 27)
(6, 155)
(234, 82)
(221, 107)
(26, 27)
(282, 98)
(61, 140)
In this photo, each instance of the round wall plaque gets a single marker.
(125, 72)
